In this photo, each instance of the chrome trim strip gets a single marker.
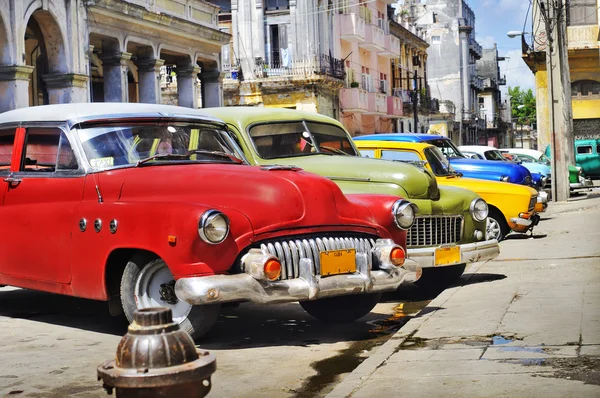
(469, 253)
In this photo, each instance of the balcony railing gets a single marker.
(352, 27)
(322, 65)
(477, 82)
(374, 38)
(392, 47)
(424, 102)
(354, 100)
(475, 47)
(377, 103)
(394, 106)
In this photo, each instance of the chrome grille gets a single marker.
(289, 252)
(435, 230)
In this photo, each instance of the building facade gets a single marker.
(451, 58)
(489, 99)
(345, 59)
(583, 41)
(107, 50)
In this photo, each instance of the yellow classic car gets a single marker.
(511, 206)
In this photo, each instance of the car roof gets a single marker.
(401, 137)
(75, 112)
(475, 148)
(418, 146)
(245, 115)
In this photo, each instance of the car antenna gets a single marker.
(99, 194)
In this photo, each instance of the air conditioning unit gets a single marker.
(383, 86)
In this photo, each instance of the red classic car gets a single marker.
(107, 201)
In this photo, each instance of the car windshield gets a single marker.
(447, 147)
(290, 139)
(544, 159)
(121, 145)
(494, 155)
(438, 162)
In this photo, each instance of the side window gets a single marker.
(367, 153)
(400, 155)
(584, 149)
(598, 149)
(47, 150)
(7, 139)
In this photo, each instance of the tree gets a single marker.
(522, 114)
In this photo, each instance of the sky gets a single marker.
(493, 18)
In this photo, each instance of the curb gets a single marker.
(353, 381)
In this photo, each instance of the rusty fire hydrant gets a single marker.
(157, 359)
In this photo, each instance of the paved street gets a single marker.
(527, 324)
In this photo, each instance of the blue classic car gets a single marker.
(540, 173)
(472, 168)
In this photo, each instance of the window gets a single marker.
(585, 89)
(598, 148)
(400, 156)
(367, 153)
(7, 138)
(47, 150)
(582, 12)
(584, 149)
(273, 5)
(278, 55)
(436, 39)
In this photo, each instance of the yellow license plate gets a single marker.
(447, 255)
(336, 262)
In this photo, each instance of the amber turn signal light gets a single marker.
(524, 215)
(272, 269)
(397, 256)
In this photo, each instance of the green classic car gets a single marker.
(450, 226)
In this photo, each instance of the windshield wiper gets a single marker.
(334, 150)
(161, 156)
(215, 153)
(188, 155)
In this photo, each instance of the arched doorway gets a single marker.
(45, 51)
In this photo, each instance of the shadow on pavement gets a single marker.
(525, 236)
(242, 326)
(481, 278)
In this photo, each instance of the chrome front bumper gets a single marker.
(583, 183)
(524, 222)
(243, 287)
(469, 253)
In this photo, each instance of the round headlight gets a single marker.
(543, 181)
(403, 213)
(479, 209)
(505, 178)
(213, 227)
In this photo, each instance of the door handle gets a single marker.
(12, 181)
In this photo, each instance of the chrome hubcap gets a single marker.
(492, 229)
(155, 287)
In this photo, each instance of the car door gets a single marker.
(584, 155)
(43, 189)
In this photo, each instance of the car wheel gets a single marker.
(496, 227)
(341, 309)
(439, 278)
(146, 284)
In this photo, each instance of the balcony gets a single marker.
(308, 67)
(394, 106)
(354, 100)
(352, 27)
(374, 38)
(389, 1)
(377, 104)
(477, 82)
(392, 47)
(475, 48)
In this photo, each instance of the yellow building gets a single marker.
(583, 38)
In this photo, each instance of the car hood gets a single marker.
(483, 187)
(417, 183)
(271, 200)
(495, 168)
(537, 168)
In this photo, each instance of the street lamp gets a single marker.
(514, 33)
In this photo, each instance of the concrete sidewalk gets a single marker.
(524, 325)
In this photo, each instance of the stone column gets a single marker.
(114, 66)
(187, 94)
(149, 79)
(14, 86)
(211, 88)
(64, 88)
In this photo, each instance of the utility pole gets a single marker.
(415, 102)
(562, 154)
